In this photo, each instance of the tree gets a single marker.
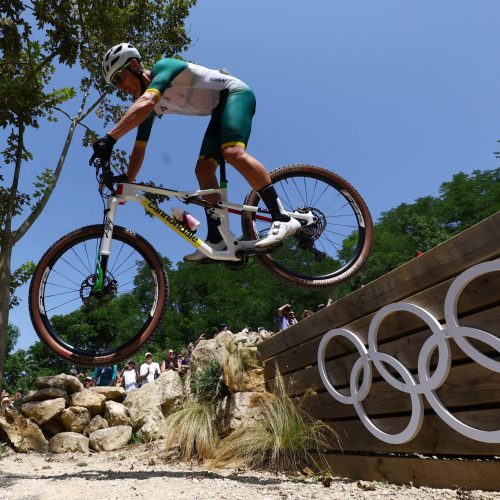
(37, 39)
(15, 363)
(407, 229)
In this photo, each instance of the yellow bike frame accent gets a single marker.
(171, 222)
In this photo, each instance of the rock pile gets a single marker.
(62, 416)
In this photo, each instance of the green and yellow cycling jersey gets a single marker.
(189, 89)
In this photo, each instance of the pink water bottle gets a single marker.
(185, 218)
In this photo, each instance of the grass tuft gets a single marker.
(283, 439)
(193, 429)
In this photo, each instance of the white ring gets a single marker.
(363, 353)
(427, 383)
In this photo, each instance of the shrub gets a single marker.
(283, 439)
(206, 382)
(193, 430)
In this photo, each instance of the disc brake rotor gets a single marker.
(109, 289)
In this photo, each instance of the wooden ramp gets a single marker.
(447, 410)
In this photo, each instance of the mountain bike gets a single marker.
(100, 292)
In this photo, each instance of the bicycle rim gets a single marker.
(331, 250)
(98, 328)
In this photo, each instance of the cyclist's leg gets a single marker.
(205, 171)
(236, 124)
(206, 168)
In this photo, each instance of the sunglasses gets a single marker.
(118, 76)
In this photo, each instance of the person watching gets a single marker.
(149, 369)
(286, 317)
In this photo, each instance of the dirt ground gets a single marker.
(142, 472)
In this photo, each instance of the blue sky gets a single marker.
(394, 95)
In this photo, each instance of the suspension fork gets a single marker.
(105, 248)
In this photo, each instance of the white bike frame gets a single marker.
(133, 192)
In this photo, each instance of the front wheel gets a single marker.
(98, 325)
(334, 247)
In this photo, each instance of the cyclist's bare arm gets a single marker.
(136, 159)
(135, 115)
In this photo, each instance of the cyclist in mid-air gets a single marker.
(177, 87)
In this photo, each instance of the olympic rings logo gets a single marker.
(427, 383)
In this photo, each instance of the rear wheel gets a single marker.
(90, 326)
(334, 247)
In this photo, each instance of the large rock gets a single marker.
(42, 395)
(156, 400)
(65, 442)
(253, 381)
(112, 393)
(211, 348)
(116, 414)
(93, 401)
(152, 430)
(52, 427)
(64, 382)
(75, 418)
(251, 338)
(43, 411)
(111, 439)
(96, 423)
(238, 409)
(23, 434)
(243, 370)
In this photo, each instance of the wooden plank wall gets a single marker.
(471, 392)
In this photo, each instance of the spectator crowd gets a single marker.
(133, 375)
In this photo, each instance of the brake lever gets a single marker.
(104, 175)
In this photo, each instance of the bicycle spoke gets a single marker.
(72, 266)
(81, 261)
(326, 246)
(63, 304)
(65, 277)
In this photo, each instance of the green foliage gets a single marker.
(282, 438)
(468, 199)
(194, 430)
(135, 439)
(13, 334)
(203, 299)
(404, 231)
(40, 38)
(22, 367)
(206, 383)
(19, 277)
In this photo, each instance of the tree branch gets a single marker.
(15, 182)
(96, 103)
(47, 59)
(37, 209)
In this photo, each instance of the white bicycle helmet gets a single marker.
(117, 57)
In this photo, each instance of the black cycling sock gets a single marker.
(213, 235)
(270, 198)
